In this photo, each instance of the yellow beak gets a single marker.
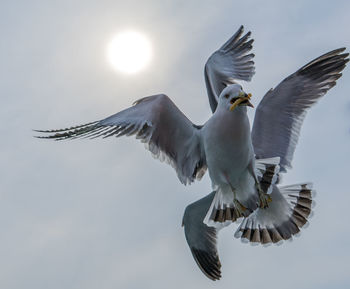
(240, 100)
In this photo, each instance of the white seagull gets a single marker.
(243, 165)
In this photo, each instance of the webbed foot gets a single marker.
(239, 208)
(264, 199)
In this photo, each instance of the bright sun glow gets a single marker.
(129, 52)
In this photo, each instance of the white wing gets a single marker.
(281, 112)
(202, 239)
(156, 120)
(228, 63)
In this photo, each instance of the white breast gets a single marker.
(228, 147)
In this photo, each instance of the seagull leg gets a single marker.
(264, 198)
(240, 210)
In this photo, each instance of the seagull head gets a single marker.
(233, 96)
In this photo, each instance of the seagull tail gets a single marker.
(224, 210)
(288, 212)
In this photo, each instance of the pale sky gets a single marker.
(103, 213)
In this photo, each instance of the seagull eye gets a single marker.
(226, 95)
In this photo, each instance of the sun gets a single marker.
(129, 52)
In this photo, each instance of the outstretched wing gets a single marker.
(281, 112)
(156, 120)
(227, 64)
(202, 239)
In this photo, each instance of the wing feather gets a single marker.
(280, 114)
(202, 239)
(157, 122)
(229, 63)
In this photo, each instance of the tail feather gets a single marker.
(225, 214)
(225, 210)
(289, 211)
(222, 210)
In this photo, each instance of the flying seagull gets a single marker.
(244, 165)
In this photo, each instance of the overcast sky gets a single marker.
(102, 213)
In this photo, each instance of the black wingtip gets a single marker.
(209, 265)
(331, 62)
(38, 130)
(43, 131)
(341, 49)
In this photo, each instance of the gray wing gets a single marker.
(281, 112)
(227, 64)
(156, 120)
(202, 239)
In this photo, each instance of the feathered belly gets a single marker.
(228, 148)
(227, 166)
(228, 159)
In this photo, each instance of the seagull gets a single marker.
(244, 165)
